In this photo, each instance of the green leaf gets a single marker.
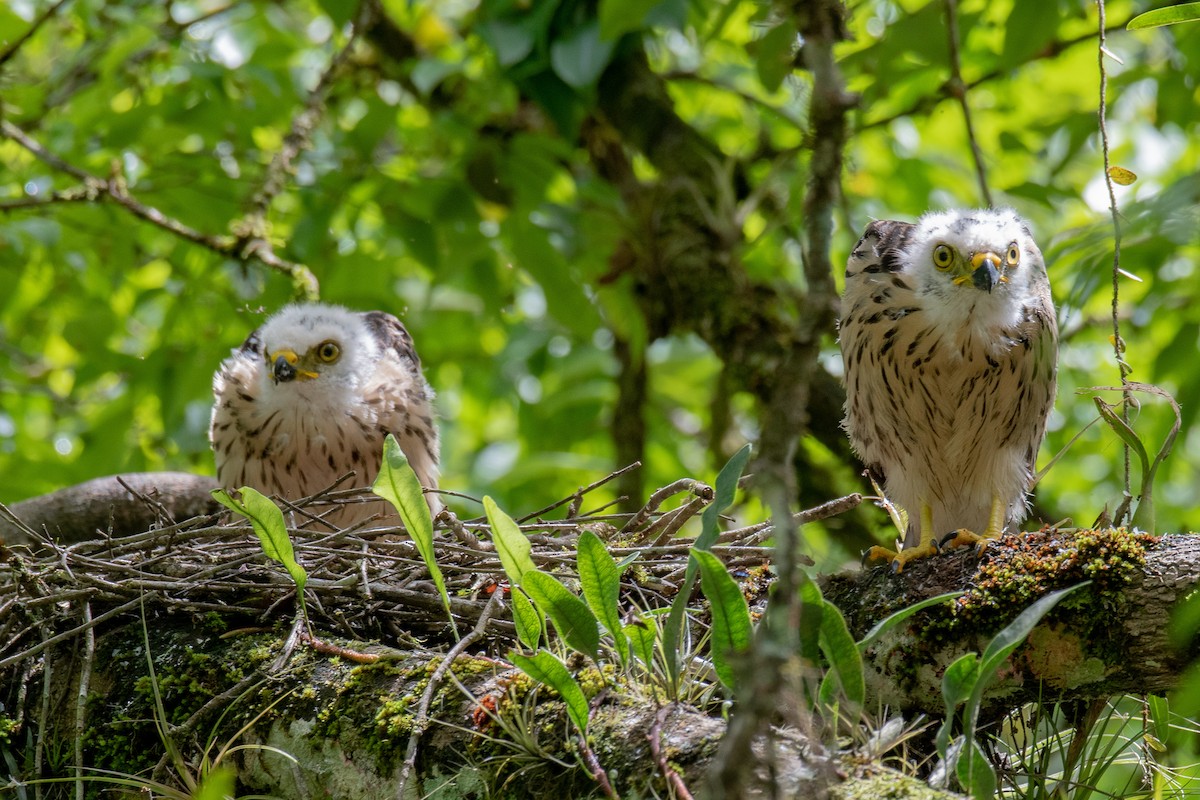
(512, 546)
(217, 784)
(812, 612)
(844, 657)
(527, 619)
(774, 55)
(398, 484)
(618, 17)
(544, 668)
(885, 625)
(601, 583)
(643, 636)
(958, 681)
(511, 41)
(1007, 640)
(730, 615)
(574, 622)
(267, 521)
(580, 56)
(724, 493)
(1171, 15)
(1160, 718)
(1126, 433)
(975, 772)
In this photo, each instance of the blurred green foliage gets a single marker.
(448, 182)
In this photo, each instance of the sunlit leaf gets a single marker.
(1122, 176)
(267, 521)
(512, 546)
(572, 619)
(545, 668)
(399, 485)
(600, 581)
(1171, 15)
(527, 619)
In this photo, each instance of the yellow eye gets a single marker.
(943, 256)
(1014, 254)
(328, 352)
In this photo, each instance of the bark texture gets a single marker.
(115, 505)
(1109, 637)
(323, 726)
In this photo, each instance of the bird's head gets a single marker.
(315, 343)
(962, 256)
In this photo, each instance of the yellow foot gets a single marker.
(965, 538)
(899, 560)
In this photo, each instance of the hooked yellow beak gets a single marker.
(283, 365)
(985, 271)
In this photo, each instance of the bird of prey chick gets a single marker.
(950, 348)
(310, 396)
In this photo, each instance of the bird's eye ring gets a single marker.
(1014, 254)
(943, 256)
(328, 352)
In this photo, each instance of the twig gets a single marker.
(821, 26)
(114, 190)
(53, 640)
(958, 89)
(81, 696)
(655, 736)
(43, 729)
(298, 138)
(1118, 343)
(659, 497)
(17, 43)
(421, 720)
(926, 103)
(671, 523)
(580, 492)
(760, 531)
(76, 194)
(594, 766)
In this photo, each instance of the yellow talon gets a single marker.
(926, 547)
(965, 538)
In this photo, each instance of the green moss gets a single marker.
(122, 736)
(885, 786)
(1020, 569)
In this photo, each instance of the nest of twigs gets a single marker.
(365, 583)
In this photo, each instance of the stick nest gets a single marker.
(364, 583)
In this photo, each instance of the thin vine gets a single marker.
(1117, 342)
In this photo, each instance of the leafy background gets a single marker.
(456, 175)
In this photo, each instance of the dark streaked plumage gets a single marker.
(949, 343)
(310, 396)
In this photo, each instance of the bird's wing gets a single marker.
(413, 422)
(253, 343)
(392, 335)
(879, 250)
